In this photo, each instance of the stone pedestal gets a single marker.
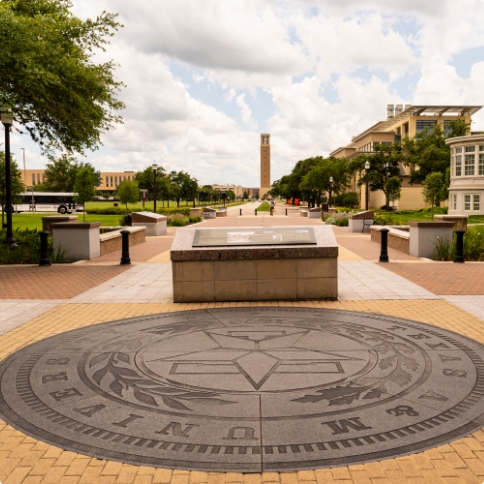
(209, 212)
(423, 236)
(314, 212)
(254, 273)
(81, 241)
(55, 219)
(221, 212)
(356, 220)
(155, 224)
(460, 221)
(197, 211)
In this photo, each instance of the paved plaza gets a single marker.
(439, 298)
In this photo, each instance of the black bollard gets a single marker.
(125, 260)
(286, 211)
(240, 212)
(44, 249)
(384, 245)
(459, 246)
(255, 211)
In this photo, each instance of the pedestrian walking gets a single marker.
(272, 207)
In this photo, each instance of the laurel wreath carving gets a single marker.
(399, 361)
(124, 379)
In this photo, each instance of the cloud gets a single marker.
(245, 111)
(327, 69)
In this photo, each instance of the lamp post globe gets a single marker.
(7, 121)
(155, 169)
(367, 169)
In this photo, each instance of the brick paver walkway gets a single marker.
(53, 282)
(445, 278)
(106, 292)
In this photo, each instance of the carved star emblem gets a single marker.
(256, 355)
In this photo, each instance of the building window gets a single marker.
(467, 202)
(476, 203)
(424, 123)
(33, 178)
(459, 149)
(112, 182)
(454, 201)
(481, 164)
(116, 181)
(458, 165)
(38, 177)
(470, 149)
(469, 165)
(481, 148)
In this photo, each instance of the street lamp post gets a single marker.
(155, 167)
(367, 170)
(330, 189)
(7, 121)
(195, 186)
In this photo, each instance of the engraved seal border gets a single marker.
(465, 415)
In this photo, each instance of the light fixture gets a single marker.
(7, 118)
(367, 165)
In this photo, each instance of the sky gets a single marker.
(205, 78)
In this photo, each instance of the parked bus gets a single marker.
(60, 202)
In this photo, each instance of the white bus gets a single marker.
(60, 202)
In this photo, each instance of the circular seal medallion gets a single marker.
(247, 389)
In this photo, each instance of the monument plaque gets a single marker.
(254, 236)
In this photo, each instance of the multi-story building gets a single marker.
(402, 122)
(239, 190)
(110, 180)
(466, 191)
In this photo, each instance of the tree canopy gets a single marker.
(85, 185)
(48, 78)
(61, 173)
(128, 192)
(432, 189)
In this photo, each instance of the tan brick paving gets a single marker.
(24, 460)
(53, 282)
(444, 278)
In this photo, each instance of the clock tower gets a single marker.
(265, 164)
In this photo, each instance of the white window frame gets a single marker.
(458, 165)
(467, 203)
(471, 167)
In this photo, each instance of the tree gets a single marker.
(17, 187)
(146, 180)
(428, 152)
(182, 185)
(432, 189)
(61, 173)
(85, 186)
(384, 164)
(393, 188)
(458, 127)
(48, 78)
(245, 195)
(128, 192)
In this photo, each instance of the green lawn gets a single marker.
(34, 220)
(264, 207)
(149, 205)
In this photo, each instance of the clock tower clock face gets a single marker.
(247, 389)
